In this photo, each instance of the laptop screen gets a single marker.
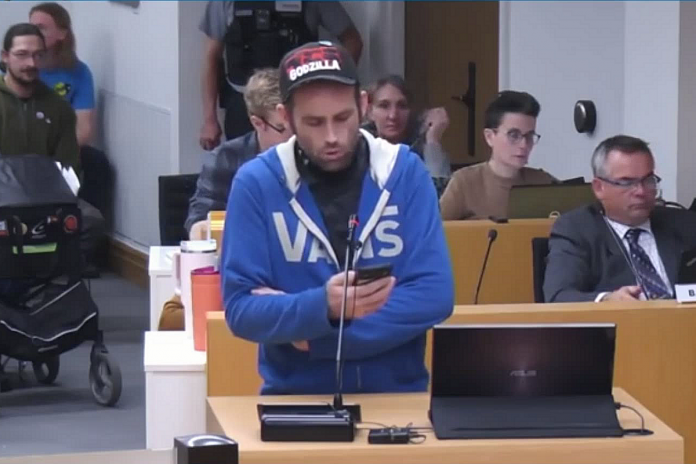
(542, 201)
(523, 360)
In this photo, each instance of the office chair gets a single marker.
(174, 194)
(574, 181)
(540, 252)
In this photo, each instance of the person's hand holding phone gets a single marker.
(362, 299)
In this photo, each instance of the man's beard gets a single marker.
(21, 81)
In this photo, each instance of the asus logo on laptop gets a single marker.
(523, 373)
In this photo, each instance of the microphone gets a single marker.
(492, 235)
(347, 266)
(321, 421)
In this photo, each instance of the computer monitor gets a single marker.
(542, 201)
(523, 359)
(523, 381)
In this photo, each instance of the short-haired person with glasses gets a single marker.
(483, 190)
(624, 247)
(262, 96)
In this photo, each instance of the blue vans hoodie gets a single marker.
(275, 237)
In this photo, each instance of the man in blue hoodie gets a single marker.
(286, 235)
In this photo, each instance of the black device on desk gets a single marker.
(543, 201)
(523, 381)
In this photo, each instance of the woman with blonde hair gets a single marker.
(391, 117)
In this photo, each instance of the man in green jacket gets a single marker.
(33, 118)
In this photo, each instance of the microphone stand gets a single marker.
(319, 421)
(348, 266)
(492, 235)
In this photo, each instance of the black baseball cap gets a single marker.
(316, 61)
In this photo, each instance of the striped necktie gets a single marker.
(650, 280)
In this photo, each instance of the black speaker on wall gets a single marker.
(585, 116)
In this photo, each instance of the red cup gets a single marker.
(206, 296)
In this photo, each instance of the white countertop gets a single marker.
(160, 261)
(172, 351)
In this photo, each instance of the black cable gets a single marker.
(372, 423)
(642, 430)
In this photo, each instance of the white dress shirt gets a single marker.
(647, 241)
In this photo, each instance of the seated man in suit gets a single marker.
(624, 248)
(261, 96)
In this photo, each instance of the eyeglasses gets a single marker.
(650, 182)
(25, 55)
(279, 129)
(514, 136)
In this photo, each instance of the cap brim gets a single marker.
(307, 80)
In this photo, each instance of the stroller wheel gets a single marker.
(46, 371)
(105, 379)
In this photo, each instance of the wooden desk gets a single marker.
(510, 260)
(232, 361)
(237, 418)
(508, 277)
(109, 457)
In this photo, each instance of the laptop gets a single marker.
(523, 381)
(542, 201)
(687, 268)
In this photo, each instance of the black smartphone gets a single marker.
(365, 275)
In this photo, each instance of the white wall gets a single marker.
(134, 56)
(191, 45)
(562, 52)
(13, 13)
(651, 86)
(635, 60)
(686, 147)
(381, 26)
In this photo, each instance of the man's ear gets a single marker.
(256, 123)
(598, 188)
(363, 102)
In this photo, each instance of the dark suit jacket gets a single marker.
(219, 168)
(585, 259)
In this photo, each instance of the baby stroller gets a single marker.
(45, 307)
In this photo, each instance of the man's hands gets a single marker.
(437, 121)
(199, 231)
(627, 293)
(302, 345)
(210, 134)
(362, 300)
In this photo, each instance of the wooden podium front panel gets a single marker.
(232, 362)
(508, 277)
(237, 418)
(655, 350)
